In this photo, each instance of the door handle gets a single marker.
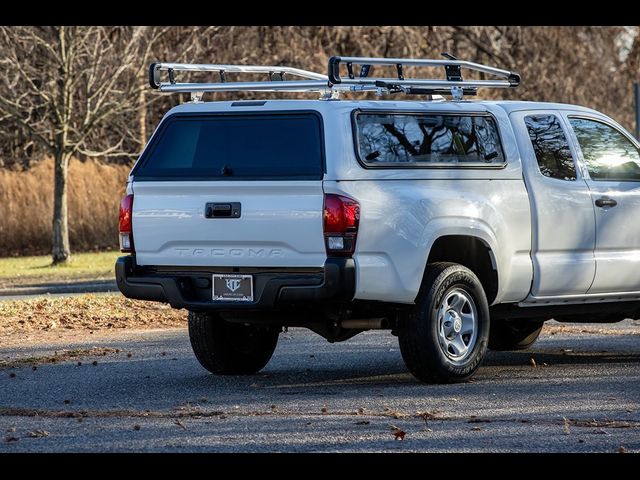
(606, 202)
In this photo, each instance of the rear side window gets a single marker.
(608, 153)
(551, 147)
(423, 140)
(236, 147)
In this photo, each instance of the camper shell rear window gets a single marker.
(238, 146)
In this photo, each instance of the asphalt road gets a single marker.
(583, 395)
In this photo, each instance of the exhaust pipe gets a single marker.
(365, 324)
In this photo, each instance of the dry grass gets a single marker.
(85, 312)
(26, 207)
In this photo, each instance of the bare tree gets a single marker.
(62, 84)
(83, 92)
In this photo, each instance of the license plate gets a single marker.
(232, 288)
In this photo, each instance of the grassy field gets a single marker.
(20, 271)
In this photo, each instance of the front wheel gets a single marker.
(227, 348)
(444, 338)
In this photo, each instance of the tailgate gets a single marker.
(280, 224)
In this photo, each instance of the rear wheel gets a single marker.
(444, 338)
(514, 335)
(226, 348)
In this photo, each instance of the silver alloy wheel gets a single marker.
(457, 325)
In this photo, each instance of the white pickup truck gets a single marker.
(458, 225)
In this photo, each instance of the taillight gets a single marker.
(126, 227)
(341, 219)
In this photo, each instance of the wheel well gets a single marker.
(471, 252)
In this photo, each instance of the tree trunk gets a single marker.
(142, 118)
(60, 251)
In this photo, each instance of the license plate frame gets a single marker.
(232, 287)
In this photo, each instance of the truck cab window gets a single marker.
(608, 154)
(551, 147)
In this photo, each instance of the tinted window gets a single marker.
(400, 139)
(608, 154)
(236, 147)
(551, 147)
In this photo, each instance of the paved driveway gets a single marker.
(583, 395)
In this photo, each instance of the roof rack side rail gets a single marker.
(275, 81)
(451, 64)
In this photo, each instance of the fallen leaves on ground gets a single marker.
(89, 312)
(590, 329)
(426, 416)
(398, 433)
(474, 419)
(393, 413)
(593, 423)
(38, 434)
(58, 356)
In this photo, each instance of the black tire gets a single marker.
(226, 348)
(514, 334)
(418, 329)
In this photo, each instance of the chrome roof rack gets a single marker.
(453, 84)
(275, 82)
(330, 85)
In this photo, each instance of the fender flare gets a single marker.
(463, 226)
